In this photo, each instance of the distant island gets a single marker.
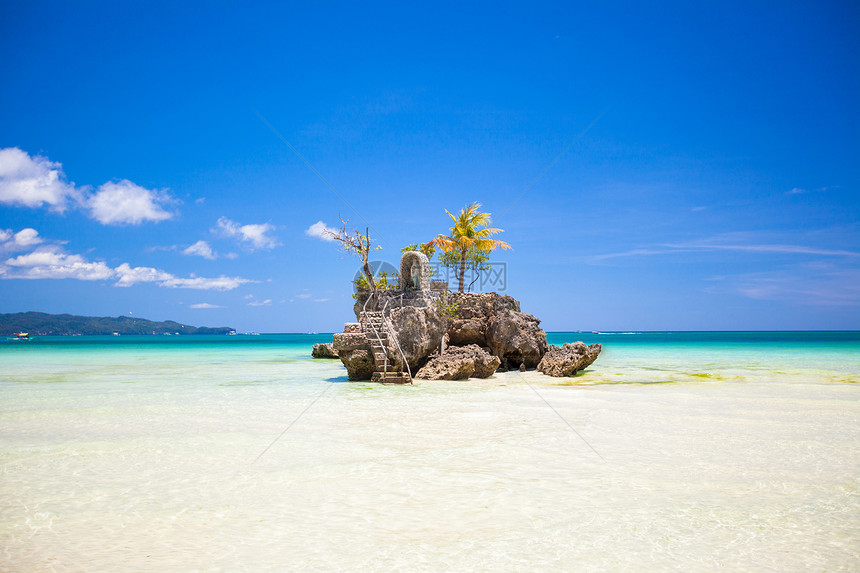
(43, 324)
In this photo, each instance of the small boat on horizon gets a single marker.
(20, 336)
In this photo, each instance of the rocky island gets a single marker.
(420, 330)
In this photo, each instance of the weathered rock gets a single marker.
(325, 350)
(462, 332)
(482, 305)
(393, 299)
(475, 311)
(459, 363)
(567, 360)
(522, 367)
(487, 320)
(447, 367)
(349, 341)
(359, 364)
(516, 338)
(354, 351)
(419, 332)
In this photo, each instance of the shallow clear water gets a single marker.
(242, 453)
(795, 357)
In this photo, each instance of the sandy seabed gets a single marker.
(237, 473)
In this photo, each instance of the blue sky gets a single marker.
(675, 166)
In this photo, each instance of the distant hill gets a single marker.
(40, 323)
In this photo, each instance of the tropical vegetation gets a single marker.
(383, 281)
(470, 241)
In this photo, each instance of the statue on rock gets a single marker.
(415, 271)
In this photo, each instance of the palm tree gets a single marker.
(470, 231)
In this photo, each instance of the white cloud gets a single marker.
(37, 181)
(50, 263)
(321, 231)
(253, 236)
(630, 253)
(125, 202)
(132, 275)
(307, 296)
(202, 283)
(802, 191)
(266, 302)
(205, 305)
(27, 237)
(201, 249)
(728, 243)
(710, 245)
(827, 285)
(129, 275)
(22, 240)
(34, 181)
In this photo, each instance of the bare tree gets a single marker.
(354, 242)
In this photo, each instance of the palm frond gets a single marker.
(470, 231)
(443, 242)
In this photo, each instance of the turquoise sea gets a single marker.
(674, 451)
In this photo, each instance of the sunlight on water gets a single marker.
(146, 458)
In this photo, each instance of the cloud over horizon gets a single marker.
(50, 261)
(36, 181)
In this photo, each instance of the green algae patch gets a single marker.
(708, 376)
